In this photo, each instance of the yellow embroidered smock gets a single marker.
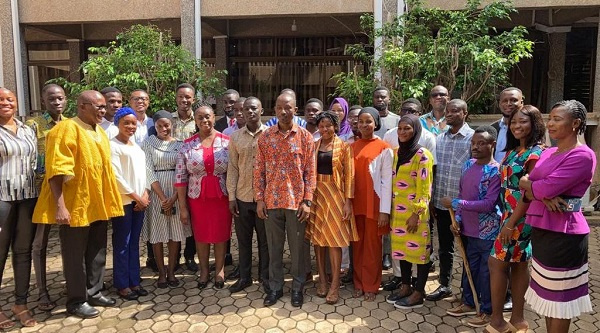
(82, 154)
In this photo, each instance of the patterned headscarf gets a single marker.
(122, 112)
(345, 128)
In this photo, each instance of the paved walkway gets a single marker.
(184, 309)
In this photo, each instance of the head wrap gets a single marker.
(122, 112)
(332, 116)
(162, 114)
(407, 150)
(345, 127)
(374, 113)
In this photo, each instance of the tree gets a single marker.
(458, 49)
(144, 57)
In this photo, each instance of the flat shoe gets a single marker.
(25, 318)
(490, 329)
(202, 284)
(173, 283)
(162, 285)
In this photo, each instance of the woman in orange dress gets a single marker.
(372, 203)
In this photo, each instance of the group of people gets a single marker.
(363, 185)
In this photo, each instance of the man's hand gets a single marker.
(455, 229)
(303, 213)
(447, 202)
(233, 208)
(261, 210)
(62, 215)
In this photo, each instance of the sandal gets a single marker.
(333, 296)
(370, 297)
(515, 329)
(47, 306)
(173, 283)
(25, 318)
(6, 323)
(490, 329)
(357, 293)
(321, 288)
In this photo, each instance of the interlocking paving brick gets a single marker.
(186, 309)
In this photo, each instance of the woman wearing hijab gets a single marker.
(372, 203)
(129, 164)
(331, 225)
(340, 107)
(161, 223)
(411, 189)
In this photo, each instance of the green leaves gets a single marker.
(145, 57)
(458, 49)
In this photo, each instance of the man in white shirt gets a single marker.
(114, 101)
(511, 99)
(139, 101)
(238, 115)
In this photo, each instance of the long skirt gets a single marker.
(559, 275)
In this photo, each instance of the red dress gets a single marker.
(203, 170)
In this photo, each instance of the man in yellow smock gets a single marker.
(80, 194)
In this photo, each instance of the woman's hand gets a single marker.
(412, 224)
(184, 215)
(555, 205)
(383, 220)
(506, 235)
(347, 210)
(524, 182)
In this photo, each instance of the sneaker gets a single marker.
(461, 310)
(479, 321)
(406, 304)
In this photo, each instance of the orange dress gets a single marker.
(373, 194)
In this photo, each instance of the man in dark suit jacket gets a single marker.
(229, 98)
(511, 99)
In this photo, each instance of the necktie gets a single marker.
(231, 121)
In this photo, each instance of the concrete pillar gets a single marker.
(11, 77)
(556, 67)
(594, 132)
(187, 26)
(75, 59)
(221, 61)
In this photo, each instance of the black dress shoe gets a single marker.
(272, 297)
(347, 278)
(102, 301)
(392, 284)
(191, 265)
(440, 293)
(84, 310)
(130, 296)
(235, 274)
(140, 291)
(151, 263)
(228, 259)
(297, 298)
(387, 261)
(240, 285)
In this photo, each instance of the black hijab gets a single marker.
(408, 149)
(375, 114)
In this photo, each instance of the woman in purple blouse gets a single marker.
(558, 288)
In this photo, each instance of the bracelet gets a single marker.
(511, 229)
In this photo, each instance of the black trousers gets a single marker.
(83, 251)
(446, 249)
(245, 225)
(17, 233)
(422, 273)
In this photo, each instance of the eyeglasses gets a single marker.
(140, 99)
(97, 107)
(438, 95)
(408, 110)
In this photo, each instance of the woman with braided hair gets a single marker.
(558, 288)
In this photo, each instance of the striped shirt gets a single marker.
(18, 158)
(452, 151)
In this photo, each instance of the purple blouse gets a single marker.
(568, 173)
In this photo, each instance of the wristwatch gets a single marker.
(308, 203)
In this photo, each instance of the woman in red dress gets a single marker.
(200, 177)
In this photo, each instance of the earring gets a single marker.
(573, 129)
